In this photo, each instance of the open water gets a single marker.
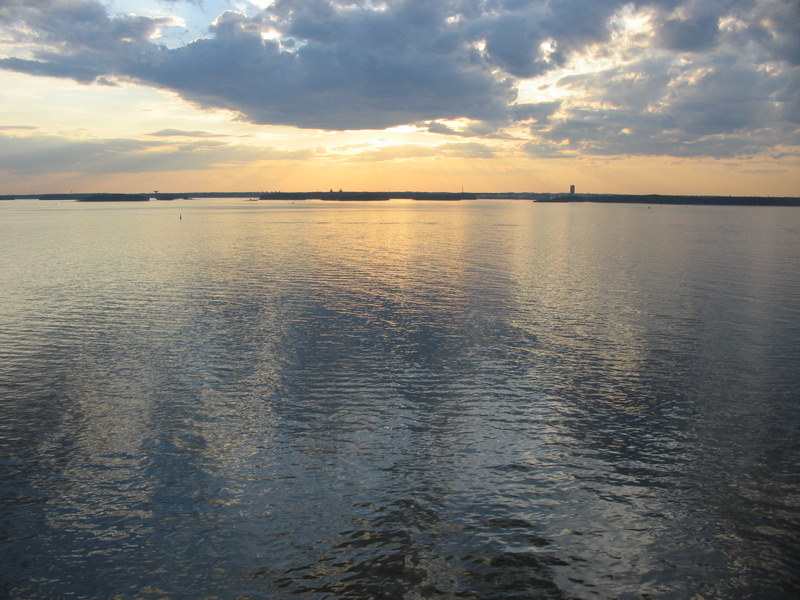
(399, 400)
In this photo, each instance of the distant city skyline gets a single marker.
(653, 96)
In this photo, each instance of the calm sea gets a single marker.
(399, 400)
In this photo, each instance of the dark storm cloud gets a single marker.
(712, 68)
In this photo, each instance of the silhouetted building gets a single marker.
(572, 189)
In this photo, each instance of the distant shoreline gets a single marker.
(362, 196)
(675, 199)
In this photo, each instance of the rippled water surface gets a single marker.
(485, 399)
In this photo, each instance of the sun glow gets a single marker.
(449, 81)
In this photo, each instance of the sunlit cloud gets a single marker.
(546, 78)
(393, 152)
(183, 133)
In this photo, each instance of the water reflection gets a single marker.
(403, 399)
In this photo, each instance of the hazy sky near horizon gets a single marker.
(651, 96)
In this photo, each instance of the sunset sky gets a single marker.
(654, 96)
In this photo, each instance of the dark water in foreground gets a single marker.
(480, 400)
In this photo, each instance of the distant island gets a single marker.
(115, 198)
(344, 196)
(367, 196)
(673, 199)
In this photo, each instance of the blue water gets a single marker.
(484, 399)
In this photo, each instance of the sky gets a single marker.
(649, 96)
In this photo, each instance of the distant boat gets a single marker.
(115, 198)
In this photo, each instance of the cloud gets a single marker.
(530, 38)
(356, 70)
(333, 69)
(684, 35)
(539, 111)
(771, 28)
(720, 108)
(39, 154)
(51, 69)
(414, 151)
(184, 133)
(440, 128)
(489, 129)
(695, 69)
